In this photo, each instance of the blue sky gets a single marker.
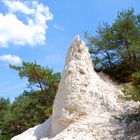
(42, 30)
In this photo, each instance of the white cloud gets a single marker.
(17, 6)
(29, 29)
(11, 59)
(59, 27)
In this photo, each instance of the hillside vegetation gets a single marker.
(31, 107)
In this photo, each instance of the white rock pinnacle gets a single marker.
(84, 105)
(72, 99)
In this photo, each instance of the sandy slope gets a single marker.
(84, 105)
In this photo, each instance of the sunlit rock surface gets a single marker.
(84, 105)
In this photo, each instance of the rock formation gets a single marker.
(84, 105)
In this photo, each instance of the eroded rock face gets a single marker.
(84, 105)
(72, 99)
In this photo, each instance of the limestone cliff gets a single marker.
(84, 105)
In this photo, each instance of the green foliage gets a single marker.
(40, 77)
(5, 117)
(133, 92)
(32, 107)
(128, 118)
(117, 46)
(136, 78)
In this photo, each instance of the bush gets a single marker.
(136, 78)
